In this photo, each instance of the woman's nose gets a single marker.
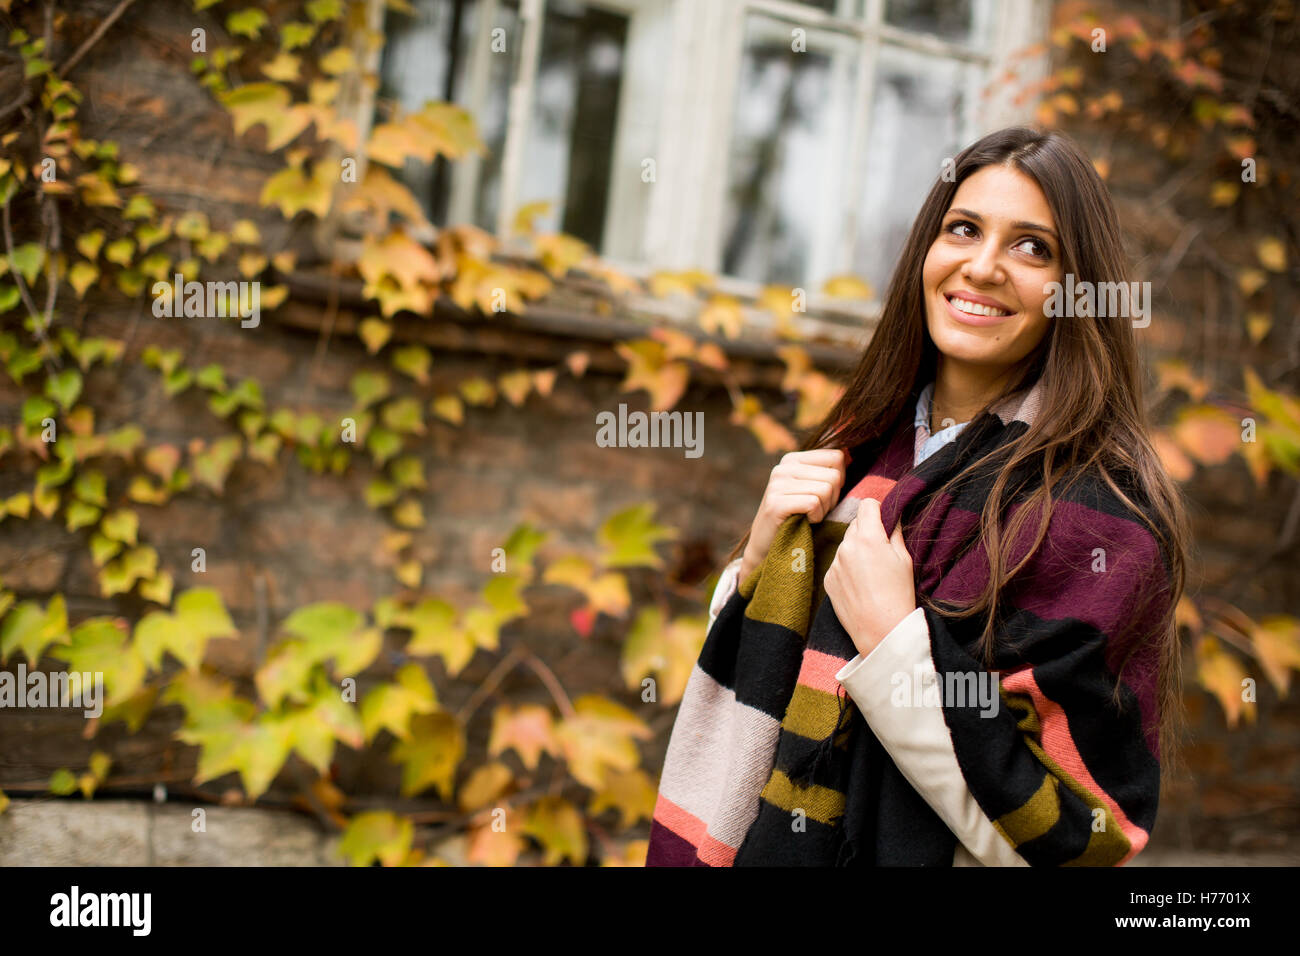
(983, 265)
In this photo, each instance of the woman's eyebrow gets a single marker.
(1019, 224)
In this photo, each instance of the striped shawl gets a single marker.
(770, 763)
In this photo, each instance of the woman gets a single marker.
(949, 637)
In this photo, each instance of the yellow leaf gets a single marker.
(847, 287)
(337, 61)
(292, 191)
(560, 253)
(1272, 254)
(374, 332)
(722, 314)
(449, 408)
(484, 784)
(430, 754)
(1222, 675)
(268, 104)
(649, 368)
(515, 386)
(1224, 192)
(1258, 325)
(558, 826)
(283, 68)
(599, 738)
(526, 215)
(245, 232)
(377, 835)
(631, 793)
(1276, 641)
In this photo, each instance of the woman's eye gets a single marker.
(1038, 248)
(959, 224)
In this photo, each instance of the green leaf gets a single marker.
(370, 387)
(383, 444)
(101, 646)
(433, 623)
(391, 706)
(27, 260)
(380, 493)
(121, 525)
(103, 548)
(212, 466)
(62, 782)
(629, 536)
(80, 515)
(9, 297)
(30, 629)
(294, 35)
(81, 277)
(120, 251)
(430, 755)
(89, 243)
(407, 472)
(376, 835)
(90, 487)
(212, 378)
(36, 410)
(413, 360)
(164, 361)
(246, 23)
(404, 415)
(319, 11)
(64, 387)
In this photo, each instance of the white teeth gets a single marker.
(976, 309)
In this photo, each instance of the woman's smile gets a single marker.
(972, 309)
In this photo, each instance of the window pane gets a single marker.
(492, 111)
(917, 119)
(962, 21)
(574, 118)
(785, 168)
(421, 63)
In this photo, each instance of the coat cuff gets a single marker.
(913, 731)
(728, 581)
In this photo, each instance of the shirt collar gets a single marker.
(923, 408)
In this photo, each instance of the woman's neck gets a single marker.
(960, 391)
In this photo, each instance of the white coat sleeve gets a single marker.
(728, 581)
(917, 737)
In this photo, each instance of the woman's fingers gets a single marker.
(868, 521)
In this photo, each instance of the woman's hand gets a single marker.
(803, 482)
(870, 582)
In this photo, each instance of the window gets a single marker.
(767, 141)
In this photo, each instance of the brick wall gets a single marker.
(281, 537)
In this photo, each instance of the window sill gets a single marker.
(579, 311)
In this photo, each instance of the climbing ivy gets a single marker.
(78, 226)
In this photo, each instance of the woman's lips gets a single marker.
(965, 318)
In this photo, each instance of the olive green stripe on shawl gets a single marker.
(820, 803)
(786, 599)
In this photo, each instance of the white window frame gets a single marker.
(683, 224)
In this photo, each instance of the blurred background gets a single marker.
(360, 582)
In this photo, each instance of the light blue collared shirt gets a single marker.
(927, 444)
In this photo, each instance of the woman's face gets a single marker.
(984, 277)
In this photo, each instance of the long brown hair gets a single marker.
(1092, 419)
